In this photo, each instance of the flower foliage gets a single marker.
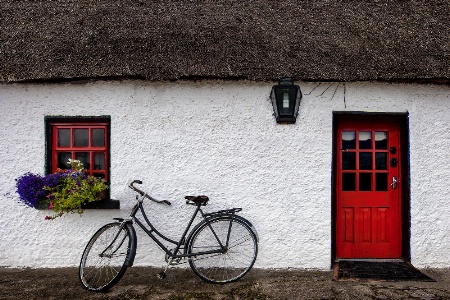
(63, 191)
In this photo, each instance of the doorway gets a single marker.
(371, 186)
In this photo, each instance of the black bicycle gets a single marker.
(221, 248)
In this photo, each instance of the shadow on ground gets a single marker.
(141, 283)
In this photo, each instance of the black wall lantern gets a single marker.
(286, 98)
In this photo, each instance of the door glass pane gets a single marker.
(84, 157)
(365, 140)
(81, 137)
(365, 161)
(381, 161)
(348, 161)
(348, 181)
(348, 140)
(365, 181)
(63, 137)
(63, 159)
(381, 182)
(99, 161)
(98, 137)
(381, 140)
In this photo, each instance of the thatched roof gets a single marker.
(229, 39)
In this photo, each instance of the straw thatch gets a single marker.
(227, 39)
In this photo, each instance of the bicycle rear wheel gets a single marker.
(234, 261)
(104, 259)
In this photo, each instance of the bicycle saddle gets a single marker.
(198, 200)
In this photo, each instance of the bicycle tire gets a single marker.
(106, 258)
(238, 258)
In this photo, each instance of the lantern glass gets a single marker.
(286, 100)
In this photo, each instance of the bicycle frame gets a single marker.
(178, 245)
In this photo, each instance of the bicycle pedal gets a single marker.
(161, 275)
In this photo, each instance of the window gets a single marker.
(83, 138)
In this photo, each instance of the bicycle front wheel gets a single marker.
(230, 263)
(104, 259)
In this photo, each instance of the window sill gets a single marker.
(100, 204)
(103, 204)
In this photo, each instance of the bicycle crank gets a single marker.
(172, 261)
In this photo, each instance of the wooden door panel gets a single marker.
(366, 224)
(349, 225)
(382, 225)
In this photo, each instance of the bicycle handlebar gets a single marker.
(142, 193)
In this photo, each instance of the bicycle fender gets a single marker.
(132, 251)
(249, 225)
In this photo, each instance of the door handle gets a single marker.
(394, 182)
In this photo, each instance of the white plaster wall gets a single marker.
(219, 139)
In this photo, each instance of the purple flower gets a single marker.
(52, 180)
(30, 188)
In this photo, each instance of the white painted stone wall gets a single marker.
(219, 139)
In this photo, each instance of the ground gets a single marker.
(141, 283)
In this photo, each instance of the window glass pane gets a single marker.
(84, 157)
(81, 137)
(348, 181)
(381, 140)
(63, 137)
(381, 181)
(63, 159)
(365, 182)
(348, 140)
(348, 161)
(381, 161)
(365, 161)
(98, 137)
(99, 161)
(100, 175)
(365, 140)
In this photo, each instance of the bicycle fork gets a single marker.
(129, 230)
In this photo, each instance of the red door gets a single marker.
(368, 190)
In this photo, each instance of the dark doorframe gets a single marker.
(403, 120)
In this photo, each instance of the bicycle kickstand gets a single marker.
(162, 275)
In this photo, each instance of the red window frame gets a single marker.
(95, 157)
